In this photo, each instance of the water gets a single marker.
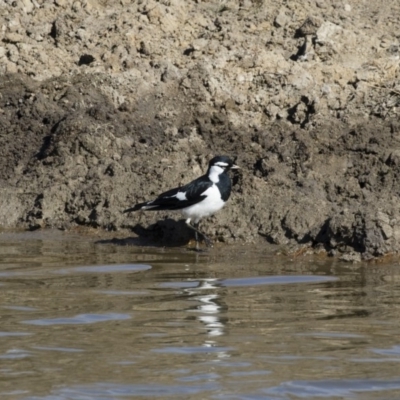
(80, 320)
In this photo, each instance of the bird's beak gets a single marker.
(235, 167)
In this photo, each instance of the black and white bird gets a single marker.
(198, 199)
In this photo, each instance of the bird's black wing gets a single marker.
(178, 198)
(184, 196)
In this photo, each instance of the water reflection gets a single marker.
(208, 308)
(209, 314)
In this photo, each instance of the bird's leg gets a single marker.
(197, 232)
(196, 235)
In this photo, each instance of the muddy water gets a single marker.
(80, 320)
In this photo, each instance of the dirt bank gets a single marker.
(105, 103)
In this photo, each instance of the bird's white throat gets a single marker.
(214, 173)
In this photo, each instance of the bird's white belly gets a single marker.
(210, 205)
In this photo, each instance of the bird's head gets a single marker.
(223, 162)
(219, 165)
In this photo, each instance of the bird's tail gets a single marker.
(134, 208)
(141, 206)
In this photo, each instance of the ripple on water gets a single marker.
(331, 335)
(393, 351)
(15, 354)
(124, 292)
(180, 285)
(192, 350)
(108, 391)
(102, 269)
(79, 319)
(249, 373)
(277, 280)
(14, 334)
(60, 349)
(7, 274)
(207, 376)
(20, 308)
(332, 388)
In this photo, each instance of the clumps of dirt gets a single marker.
(103, 105)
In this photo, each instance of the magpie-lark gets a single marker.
(198, 199)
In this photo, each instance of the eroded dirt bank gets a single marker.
(103, 103)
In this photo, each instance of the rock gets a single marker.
(61, 3)
(11, 206)
(170, 73)
(328, 33)
(10, 68)
(308, 30)
(347, 7)
(282, 19)
(27, 6)
(351, 257)
(13, 38)
(310, 26)
(199, 44)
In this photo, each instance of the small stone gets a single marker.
(327, 32)
(76, 6)
(14, 24)
(386, 41)
(13, 38)
(13, 53)
(11, 68)
(272, 111)
(27, 6)
(396, 233)
(351, 257)
(387, 231)
(383, 217)
(170, 73)
(309, 26)
(282, 114)
(199, 44)
(281, 19)
(186, 83)
(144, 48)
(230, 105)
(308, 30)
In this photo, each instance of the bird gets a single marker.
(198, 199)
